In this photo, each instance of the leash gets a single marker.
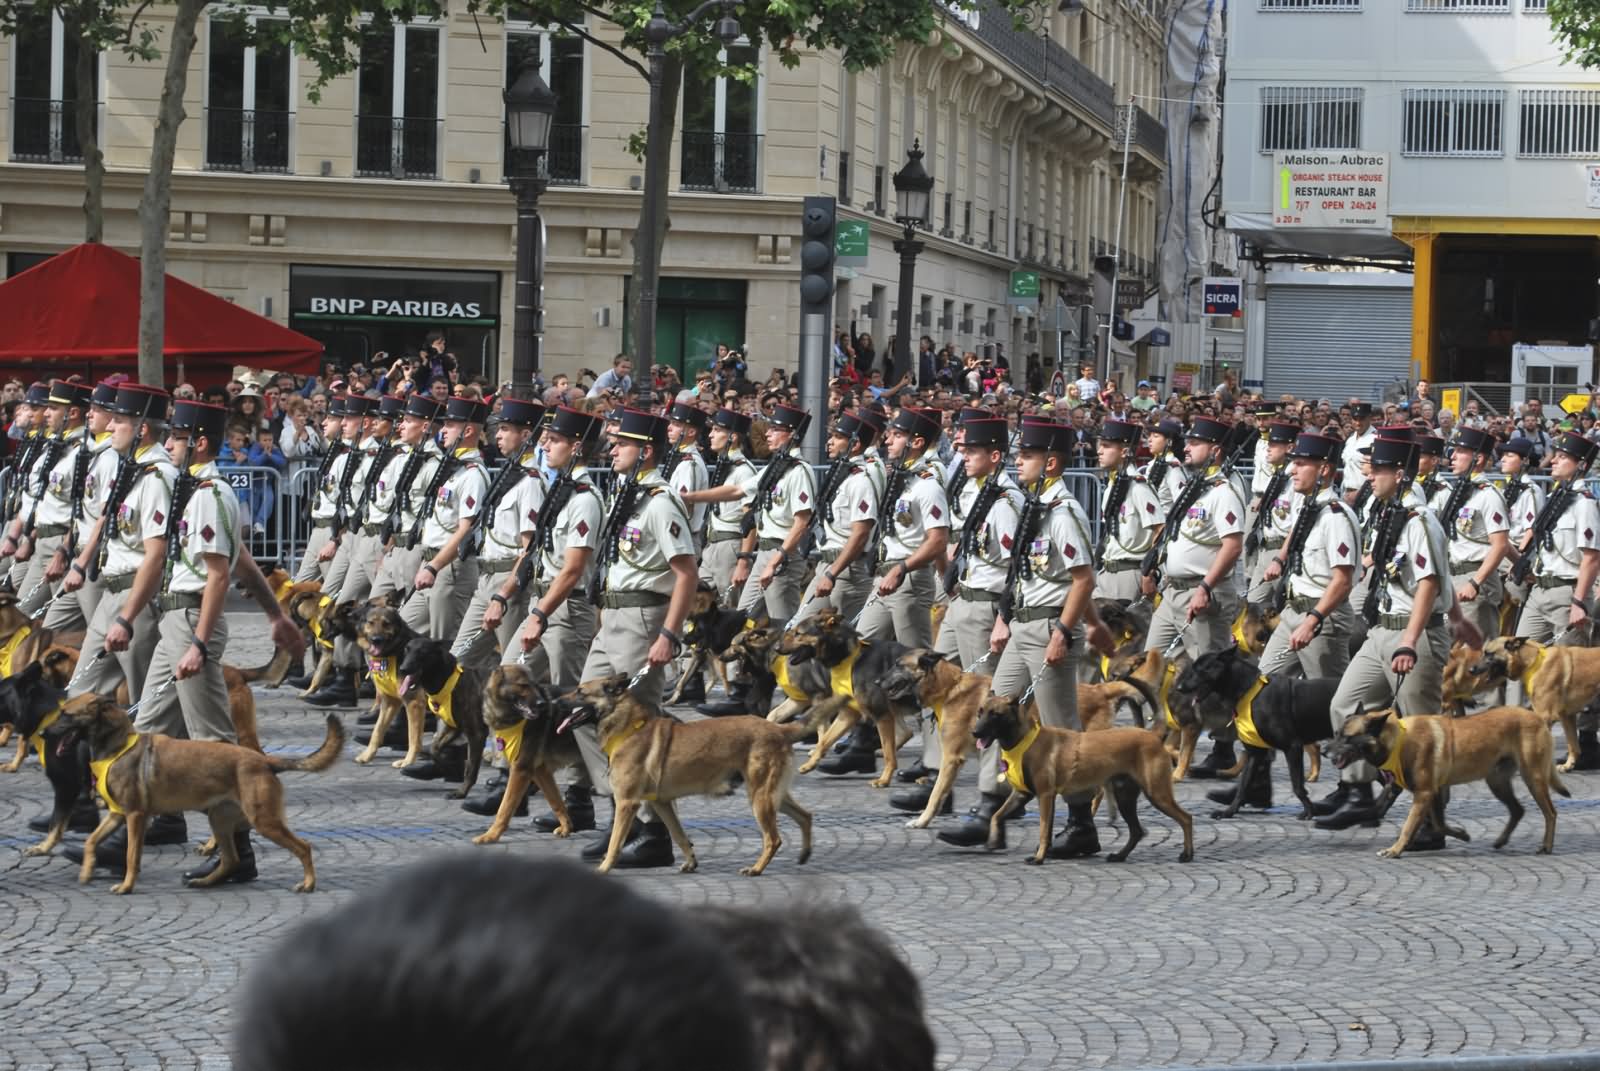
(155, 694)
(1022, 702)
(864, 606)
(85, 667)
(1177, 641)
(981, 659)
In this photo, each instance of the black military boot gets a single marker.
(302, 680)
(1333, 800)
(398, 738)
(111, 854)
(1257, 791)
(649, 846)
(340, 691)
(84, 817)
(737, 702)
(494, 792)
(451, 766)
(694, 690)
(908, 775)
(1357, 809)
(916, 797)
(859, 754)
(244, 871)
(1220, 759)
(973, 829)
(1588, 751)
(580, 809)
(1078, 838)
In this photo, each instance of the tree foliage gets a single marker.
(1576, 25)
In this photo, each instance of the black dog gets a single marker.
(711, 628)
(452, 698)
(1288, 713)
(27, 700)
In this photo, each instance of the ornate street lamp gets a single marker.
(530, 111)
(913, 195)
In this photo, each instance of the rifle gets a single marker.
(1252, 541)
(53, 447)
(430, 498)
(1542, 532)
(838, 469)
(543, 540)
(610, 538)
(1390, 522)
(510, 474)
(182, 491)
(402, 489)
(966, 546)
(128, 471)
(80, 477)
(1192, 490)
(891, 493)
(1294, 550)
(1020, 568)
(1109, 517)
(342, 520)
(22, 469)
(335, 449)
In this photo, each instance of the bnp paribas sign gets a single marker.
(1330, 190)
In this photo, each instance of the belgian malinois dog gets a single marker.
(333, 620)
(384, 636)
(160, 775)
(524, 715)
(1436, 751)
(1462, 679)
(1559, 681)
(1061, 762)
(660, 759)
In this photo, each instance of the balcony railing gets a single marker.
(45, 131)
(393, 146)
(562, 163)
(722, 162)
(242, 139)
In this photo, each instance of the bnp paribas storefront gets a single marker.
(358, 311)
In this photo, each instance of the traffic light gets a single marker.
(816, 256)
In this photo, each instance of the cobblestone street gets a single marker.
(1278, 943)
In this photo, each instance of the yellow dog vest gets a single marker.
(98, 768)
(37, 739)
(1533, 670)
(840, 679)
(509, 741)
(282, 589)
(10, 648)
(439, 702)
(1011, 771)
(1168, 675)
(1391, 765)
(617, 739)
(384, 676)
(1244, 721)
(1238, 631)
(780, 670)
(316, 624)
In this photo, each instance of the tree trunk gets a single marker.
(94, 164)
(155, 207)
(671, 83)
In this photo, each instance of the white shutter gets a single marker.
(1337, 341)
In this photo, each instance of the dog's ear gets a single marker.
(927, 660)
(1515, 643)
(616, 684)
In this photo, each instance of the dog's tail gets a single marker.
(273, 672)
(1137, 694)
(320, 759)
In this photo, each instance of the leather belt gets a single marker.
(117, 584)
(1546, 583)
(1304, 604)
(1026, 614)
(1458, 567)
(1122, 565)
(488, 568)
(1183, 583)
(322, 522)
(828, 557)
(179, 600)
(49, 531)
(884, 567)
(430, 553)
(977, 594)
(618, 600)
(1271, 544)
(714, 536)
(1400, 622)
(371, 529)
(768, 544)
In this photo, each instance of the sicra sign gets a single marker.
(1223, 297)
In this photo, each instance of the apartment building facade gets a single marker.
(1448, 134)
(379, 212)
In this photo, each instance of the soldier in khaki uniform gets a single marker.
(843, 579)
(1270, 509)
(1477, 523)
(729, 431)
(32, 414)
(445, 578)
(989, 508)
(1562, 588)
(685, 466)
(648, 553)
(783, 495)
(1430, 483)
(325, 504)
(1164, 471)
(1051, 586)
(1524, 499)
(1406, 649)
(1130, 512)
(51, 513)
(407, 484)
(94, 473)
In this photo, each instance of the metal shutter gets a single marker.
(1337, 341)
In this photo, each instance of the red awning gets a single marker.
(79, 311)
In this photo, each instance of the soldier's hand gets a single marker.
(768, 575)
(24, 550)
(1467, 592)
(1303, 634)
(327, 552)
(57, 566)
(824, 585)
(892, 580)
(423, 579)
(999, 636)
(1273, 571)
(1055, 652)
(532, 631)
(1403, 662)
(8, 547)
(493, 614)
(741, 572)
(1199, 603)
(74, 580)
(1147, 587)
(1576, 616)
(660, 652)
(1100, 639)
(117, 638)
(191, 663)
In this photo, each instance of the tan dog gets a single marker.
(384, 636)
(1557, 682)
(149, 773)
(955, 697)
(660, 759)
(1428, 753)
(522, 716)
(22, 641)
(1060, 762)
(1460, 682)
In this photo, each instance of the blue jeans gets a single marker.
(256, 501)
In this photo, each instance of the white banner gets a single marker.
(1330, 189)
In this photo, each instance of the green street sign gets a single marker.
(850, 240)
(1025, 284)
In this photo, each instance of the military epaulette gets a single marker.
(583, 487)
(204, 484)
(926, 474)
(654, 491)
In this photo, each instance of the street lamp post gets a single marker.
(657, 32)
(913, 194)
(530, 109)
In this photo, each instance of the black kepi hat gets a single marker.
(1209, 430)
(789, 418)
(1576, 446)
(972, 412)
(391, 406)
(1474, 439)
(573, 424)
(993, 433)
(1361, 410)
(1393, 453)
(1044, 435)
(1430, 445)
(731, 420)
(520, 411)
(1521, 447)
(684, 413)
(200, 418)
(38, 394)
(641, 426)
(140, 401)
(1169, 428)
(1120, 432)
(1280, 431)
(1314, 447)
(338, 406)
(853, 423)
(918, 422)
(467, 410)
(70, 394)
(104, 394)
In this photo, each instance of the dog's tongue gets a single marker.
(405, 685)
(566, 723)
(982, 744)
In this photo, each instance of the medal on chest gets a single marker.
(630, 540)
(127, 521)
(1039, 554)
(902, 513)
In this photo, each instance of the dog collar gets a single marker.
(780, 671)
(37, 739)
(99, 767)
(1527, 678)
(1011, 770)
(1238, 630)
(384, 677)
(278, 592)
(617, 739)
(1244, 722)
(439, 702)
(1391, 765)
(10, 648)
(509, 741)
(316, 624)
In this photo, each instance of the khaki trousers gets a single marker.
(965, 637)
(1056, 691)
(101, 676)
(782, 596)
(437, 611)
(1121, 586)
(850, 592)
(1325, 656)
(1370, 684)
(905, 616)
(33, 592)
(1484, 611)
(1210, 631)
(310, 568)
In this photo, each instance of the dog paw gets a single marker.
(916, 823)
(562, 832)
(750, 872)
(458, 794)
(122, 889)
(364, 758)
(1034, 860)
(690, 867)
(808, 767)
(35, 850)
(878, 782)
(401, 764)
(306, 885)
(1185, 857)
(486, 838)
(1545, 851)
(1117, 857)
(1388, 853)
